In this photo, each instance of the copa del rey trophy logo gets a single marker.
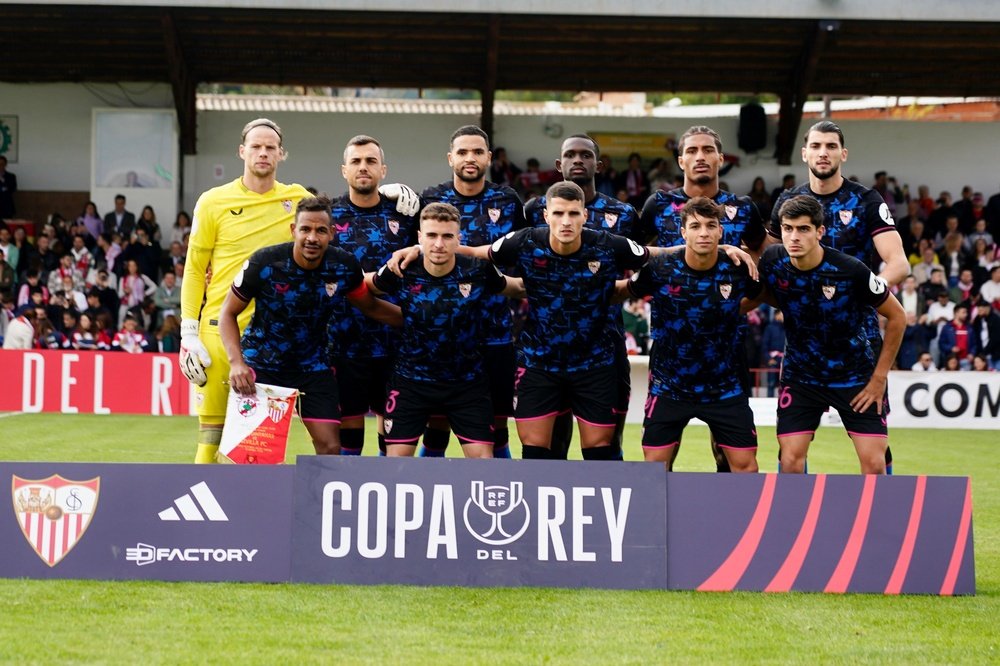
(54, 513)
(497, 515)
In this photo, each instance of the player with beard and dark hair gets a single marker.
(856, 219)
(368, 225)
(488, 211)
(579, 162)
(699, 155)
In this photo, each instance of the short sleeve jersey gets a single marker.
(661, 217)
(288, 331)
(371, 235)
(232, 222)
(568, 295)
(491, 214)
(442, 318)
(853, 216)
(604, 213)
(825, 312)
(696, 315)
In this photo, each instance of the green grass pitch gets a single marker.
(44, 622)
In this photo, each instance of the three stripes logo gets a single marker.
(196, 506)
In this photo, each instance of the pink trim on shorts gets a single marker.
(565, 411)
(596, 425)
(801, 432)
(661, 446)
(866, 434)
(615, 410)
(404, 441)
(537, 418)
(322, 420)
(354, 416)
(736, 448)
(470, 441)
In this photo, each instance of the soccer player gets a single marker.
(858, 222)
(440, 369)
(699, 155)
(567, 347)
(368, 225)
(695, 373)
(827, 297)
(230, 222)
(579, 162)
(488, 212)
(296, 288)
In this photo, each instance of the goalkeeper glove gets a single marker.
(194, 357)
(407, 200)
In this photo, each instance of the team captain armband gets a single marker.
(358, 291)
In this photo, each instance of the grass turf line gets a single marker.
(96, 621)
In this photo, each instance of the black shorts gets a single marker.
(623, 369)
(499, 363)
(466, 405)
(801, 406)
(318, 400)
(591, 394)
(731, 422)
(362, 384)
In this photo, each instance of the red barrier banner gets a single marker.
(88, 382)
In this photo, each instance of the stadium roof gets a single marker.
(475, 45)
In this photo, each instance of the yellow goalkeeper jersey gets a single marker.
(230, 223)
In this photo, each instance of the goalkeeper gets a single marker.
(230, 223)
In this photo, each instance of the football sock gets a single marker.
(352, 441)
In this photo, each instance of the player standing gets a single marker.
(296, 288)
(695, 373)
(699, 155)
(857, 220)
(368, 225)
(827, 297)
(579, 162)
(230, 222)
(488, 211)
(440, 369)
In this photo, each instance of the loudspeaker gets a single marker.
(752, 134)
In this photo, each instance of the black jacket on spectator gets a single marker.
(992, 324)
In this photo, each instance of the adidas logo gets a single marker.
(188, 505)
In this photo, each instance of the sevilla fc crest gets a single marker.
(276, 409)
(54, 513)
(394, 227)
(494, 214)
(331, 288)
(611, 219)
(829, 290)
(731, 212)
(287, 205)
(387, 424)
(465, 288)
(725, 289)
(594, 266)
(845, 216)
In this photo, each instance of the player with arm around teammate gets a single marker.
(826, 297)
(697, 297)
(296, 287)
(439, 370)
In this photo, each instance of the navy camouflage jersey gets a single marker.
(825, 312)
(288, 331)
(568, 296)
(491, 214)
(604, 213)
(695, 315)
(853, 216)
(371, 235)
(442, 318)
(661, 217)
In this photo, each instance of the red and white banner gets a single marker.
(256, 430)
(88, 382)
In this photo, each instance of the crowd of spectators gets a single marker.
(93, 282)
(114, 282)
